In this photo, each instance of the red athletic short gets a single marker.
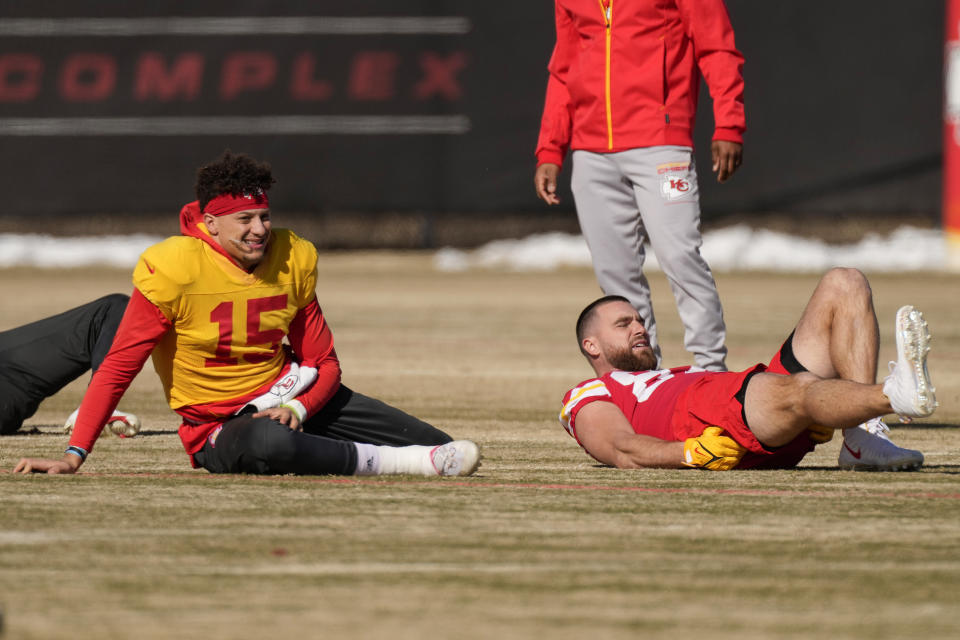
(789, 455)
(714, 401)
(784, 361)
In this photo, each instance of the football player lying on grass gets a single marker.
(214, 307)
(40, 358)
(822, 379)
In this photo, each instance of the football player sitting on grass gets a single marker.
(40, 358)
(822, 379)
(215, 307)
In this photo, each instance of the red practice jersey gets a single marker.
(646, 398)
(676, 404)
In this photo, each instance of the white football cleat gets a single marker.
(120, 424)
(457, 458)
(908, 386)
(869, 448)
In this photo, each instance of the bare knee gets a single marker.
(848, 285)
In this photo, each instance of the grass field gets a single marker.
(541, 543)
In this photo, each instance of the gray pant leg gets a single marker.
(665, 184)
(614, 232)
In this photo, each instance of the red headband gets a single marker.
(225, 204)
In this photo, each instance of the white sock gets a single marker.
(368, 459)
(414, 460)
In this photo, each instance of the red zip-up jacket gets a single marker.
(626, 74)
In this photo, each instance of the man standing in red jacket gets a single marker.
(622, 95)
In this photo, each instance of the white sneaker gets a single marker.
(908, 386)
(457, 458)
(869, 448)
(120, 424)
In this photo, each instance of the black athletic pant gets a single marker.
(39, 359)
(264, 446)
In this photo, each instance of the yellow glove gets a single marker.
(820, 434)
(712, 450)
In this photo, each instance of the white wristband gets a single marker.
(298, 409)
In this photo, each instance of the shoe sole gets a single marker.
(470, 453)
(913, 342)
(470, 469)
(906, 466)
(471, 460)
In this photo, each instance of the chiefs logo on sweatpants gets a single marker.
(675, 181)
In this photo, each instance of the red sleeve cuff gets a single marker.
(729, 134)
(550, 157)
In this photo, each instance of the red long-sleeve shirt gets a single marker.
(631, 79)
(140, 331)
(166, 317)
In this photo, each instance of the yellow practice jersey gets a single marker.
(228, 324)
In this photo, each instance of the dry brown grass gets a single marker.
(542, 543)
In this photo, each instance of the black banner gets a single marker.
(433, 106)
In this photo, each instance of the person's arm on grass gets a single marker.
(606, 435)
(68, 464)
(139, 332)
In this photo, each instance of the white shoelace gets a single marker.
(878, 427)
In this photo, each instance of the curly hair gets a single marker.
(235, 174)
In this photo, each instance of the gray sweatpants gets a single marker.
(651, 193)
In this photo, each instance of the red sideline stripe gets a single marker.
(199, 475)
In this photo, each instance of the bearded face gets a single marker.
(615, 338)
(638, 358)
